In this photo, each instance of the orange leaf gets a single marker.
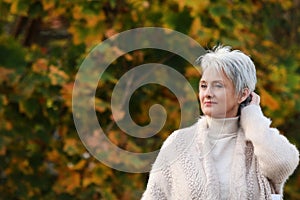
(48, 4)
(57, 76)
(68, 181)
(3, 150)
(192, 72)
(268, 100)
(66, 93)
(113, 137)
(80, 165)
(53, 156)
(40, 66)
(4, 74)
(8, 126)
(100, 105)
(71, 146)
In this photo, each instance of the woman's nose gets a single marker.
(208, 92)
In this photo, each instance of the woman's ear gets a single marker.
(243, 96)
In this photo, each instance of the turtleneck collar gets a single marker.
(220, 128)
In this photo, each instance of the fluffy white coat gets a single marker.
(262, 161)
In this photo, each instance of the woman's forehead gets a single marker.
(213, 73)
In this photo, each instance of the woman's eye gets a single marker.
(219, 85)
(203, 86)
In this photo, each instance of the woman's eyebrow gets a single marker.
(214, 81)
(218, 81)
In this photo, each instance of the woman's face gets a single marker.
(217, 95)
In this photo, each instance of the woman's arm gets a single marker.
(277, 157)
(155, 188)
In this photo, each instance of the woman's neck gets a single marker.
(219, 126)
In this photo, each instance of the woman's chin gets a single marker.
(211, 113)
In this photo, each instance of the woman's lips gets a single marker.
(209, 103)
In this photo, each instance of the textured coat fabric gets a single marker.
(262, 161)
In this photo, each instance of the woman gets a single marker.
(231, 152)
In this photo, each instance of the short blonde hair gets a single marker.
(236, 65)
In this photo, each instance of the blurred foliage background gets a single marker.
(42, 44)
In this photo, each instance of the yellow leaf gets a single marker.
(14, 9)
(92, 39)
(92, 20)
(100, 106)
(287, 4)
(80, 165)
(57, 76)
(75, 35)
(25, 167)
(134, 16)
(195, 27)
(88, 181)
(93, 178)
(181, 4)
(132, 147)
(267, 43)
(48, 4)
(71, 146)
(77, 12)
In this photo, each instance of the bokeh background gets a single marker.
(43, 43)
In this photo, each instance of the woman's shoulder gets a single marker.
(177, 143)
(183, 134)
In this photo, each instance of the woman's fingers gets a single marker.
(255, 99)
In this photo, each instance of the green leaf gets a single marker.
(218, 10)
(35, 9)
(12, 54)
(29, 107)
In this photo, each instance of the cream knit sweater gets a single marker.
(222, 137)
(232, 159)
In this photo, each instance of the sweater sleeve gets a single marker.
(157, 182)
(276, 156)
(155, 188)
